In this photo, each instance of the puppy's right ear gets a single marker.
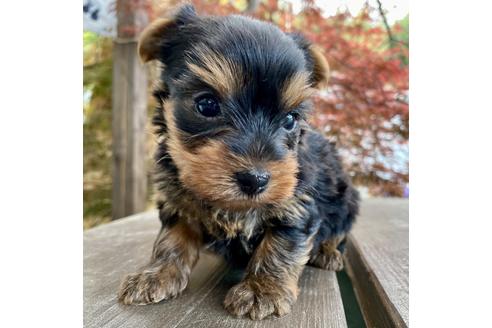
(315, 60)
(153, 38)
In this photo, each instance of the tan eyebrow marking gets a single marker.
(295, 90)
(219, 72)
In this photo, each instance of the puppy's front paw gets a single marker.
(258, 301)
(152, 285)
(329, 261)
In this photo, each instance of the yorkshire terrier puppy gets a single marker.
(238, 169)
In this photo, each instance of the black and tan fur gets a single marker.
(259, 75)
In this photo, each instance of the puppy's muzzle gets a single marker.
(252, 182)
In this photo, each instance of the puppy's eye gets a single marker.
(289, 122)
(207, 105)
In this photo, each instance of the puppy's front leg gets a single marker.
(174, 255)
(270, 284)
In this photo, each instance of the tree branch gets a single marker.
(391, 38)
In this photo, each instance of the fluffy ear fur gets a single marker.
(321, 68)
(154, 36)
(316, 61)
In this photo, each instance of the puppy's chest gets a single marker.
(225, 225)
(232, 235)
(217, 223)
(235, 238)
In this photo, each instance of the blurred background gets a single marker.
(364, 109)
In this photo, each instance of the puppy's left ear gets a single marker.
(315, 59)
(155, 37)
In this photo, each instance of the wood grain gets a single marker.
(377, 254)
(319, 305)
(118, 248)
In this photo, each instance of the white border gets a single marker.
(41, 164)
(450, 163)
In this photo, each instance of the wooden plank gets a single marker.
(377, 256)
(129, 113)
(319, 305)
(113, 250)
(116, 249)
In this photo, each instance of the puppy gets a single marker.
(238, 169)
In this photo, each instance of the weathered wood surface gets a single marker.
(377, 253)
(319, 305)
(118, 248)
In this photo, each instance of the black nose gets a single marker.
(252, 182)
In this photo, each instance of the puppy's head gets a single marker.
(239, 94)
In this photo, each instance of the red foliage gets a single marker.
(364, 109)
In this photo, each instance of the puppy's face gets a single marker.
(238, 95)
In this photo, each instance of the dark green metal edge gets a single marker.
(353, 313)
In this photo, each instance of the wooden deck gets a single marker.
(377, 257)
